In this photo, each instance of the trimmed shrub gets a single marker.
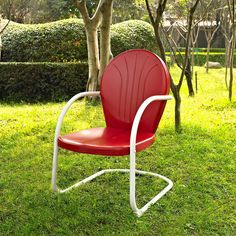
(59, 41)
(65, 40)
(33, 82)
(212, 50)
(205, 49)
(132, 34)
(200, 58)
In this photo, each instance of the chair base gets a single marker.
(138, 212)
(133, 143)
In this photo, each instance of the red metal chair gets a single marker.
(134, 89)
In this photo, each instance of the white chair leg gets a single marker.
(54, 168)
(133, 171)
(89, 178)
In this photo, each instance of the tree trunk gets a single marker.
(105, 48)
(188, 75)
(155, 20)
(232, 51)
(226, 77)
(93, 58)
(174, 88)
(227, 60)
(1, 31)
(232, 64)
(0, 47)
(176, 93)
(159, 43)
(228, 52)
(207, 56)
(192, 59)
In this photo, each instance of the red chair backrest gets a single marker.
(127, 81)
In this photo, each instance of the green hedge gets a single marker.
(59, 41)
(65, 40)
(33, 82)
(205, 49)
(132, 34)
(200, 58)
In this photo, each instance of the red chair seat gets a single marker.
(104, 141)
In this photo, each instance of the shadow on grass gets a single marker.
(201, 202)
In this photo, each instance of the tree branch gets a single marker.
(191, 13)
(105, 49)
(97, 15)
(194, 36)
(5, 26)
(81, 5)
(171, 47)
(230, 11)
(150, 12)
(9, 19)
(159, 10)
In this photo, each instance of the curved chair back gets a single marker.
(127, 81)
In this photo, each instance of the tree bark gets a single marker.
(1, 31)
(188, 75)
(232, 51)
(105, 45)
(93, 58)
(159, 43)
(187, 54)
(207, 56)
(232, 64)
(98, 58)
(156, 20)
(176, 94)
(0, 47)
(161, 5)
(227, 60)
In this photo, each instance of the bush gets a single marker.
(212, 50)
(31, 79)
(132, 34)
(59, 41)
(41, 81)
(205, 49)
(65, 40)
(200, 58)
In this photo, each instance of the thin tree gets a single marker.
(226, 29)
(194, 39)
(181, 30)
(98, 57)
(231, 6)
(210, 30)
(155, 18)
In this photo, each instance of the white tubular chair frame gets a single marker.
(132, 170)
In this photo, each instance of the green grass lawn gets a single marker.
(200, 161)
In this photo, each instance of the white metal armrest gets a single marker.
(133, 170)
(66, 108)
(139, 114)
(58, 129)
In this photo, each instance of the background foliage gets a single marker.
(33, 82)
(41, 11)
(200, 58)
(65, 40)
(132, 34)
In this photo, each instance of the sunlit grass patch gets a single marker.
(200, 161)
